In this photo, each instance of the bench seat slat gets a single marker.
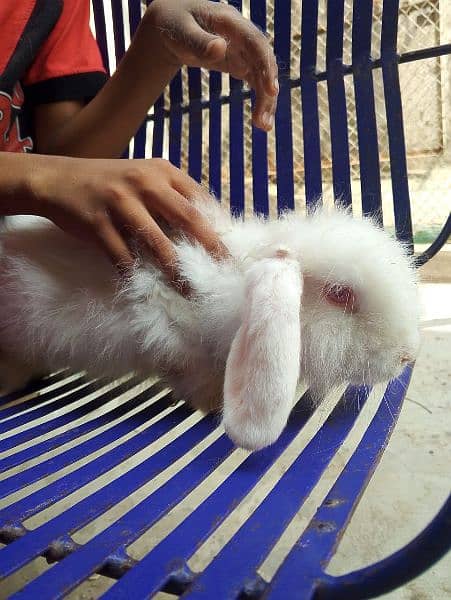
(72, 433)
(303, 568)
(34, 407)
(154, 570)
(97, 503)
(65, 459)
(237, 562)
(89, 558)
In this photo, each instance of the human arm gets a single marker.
(171, 33)
(108, 202)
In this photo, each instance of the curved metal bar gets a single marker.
(395, 570)
(406, 57)
(436, 245)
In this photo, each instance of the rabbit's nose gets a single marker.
(406, 358)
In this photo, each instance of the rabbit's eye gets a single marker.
(341, 295)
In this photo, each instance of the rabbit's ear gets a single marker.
(262, 368)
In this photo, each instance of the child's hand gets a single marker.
(172, 33)
(115, 202)
(216, 36)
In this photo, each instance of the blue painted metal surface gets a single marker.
(30, 505)
(158, 567)
(139, 142)
(119, 41)
(90, 558)
(302, 573)
(32, 387)
(436, 245)
(16, 409)
(35, 445)
(175, 120)
(100, 27)
(236, 136)
(338, 116)
(283, 123)
(39, 540)
(399, 568)
(259, 138)
(393, 103)
(310, 112)
(236, 147)
(227, 573)
(214, 134)
(74, 432)
(195, 124)
(370, 182)
(236, 140)
(47, 467)
(158, 127)
(313, 551)
(82, 390)
(118, 31)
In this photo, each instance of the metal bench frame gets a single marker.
(233, 572)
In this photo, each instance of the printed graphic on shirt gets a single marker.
(10, 107)
(25, 26)
(48, 54)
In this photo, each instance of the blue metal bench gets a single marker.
(83, 428)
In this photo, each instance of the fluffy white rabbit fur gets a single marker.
(253, 326)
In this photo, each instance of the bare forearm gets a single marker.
(196, 33)
(105, 201)
(17, 173)
(104, 127)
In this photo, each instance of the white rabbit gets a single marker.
(327, 298)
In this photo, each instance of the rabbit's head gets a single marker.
(359, 307)
(329, 298)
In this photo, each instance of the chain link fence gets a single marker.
(426, 96)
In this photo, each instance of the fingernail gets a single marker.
(266, 119)
(276, 86)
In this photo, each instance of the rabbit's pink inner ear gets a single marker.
(237, 359)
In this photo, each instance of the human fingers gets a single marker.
(243, 36)
(133, 218)
(193, 221)
(182, 215)
(192, 44)
(264, 107)
(113, 244)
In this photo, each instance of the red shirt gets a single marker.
(47, 54)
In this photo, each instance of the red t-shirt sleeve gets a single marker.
(68, 64)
